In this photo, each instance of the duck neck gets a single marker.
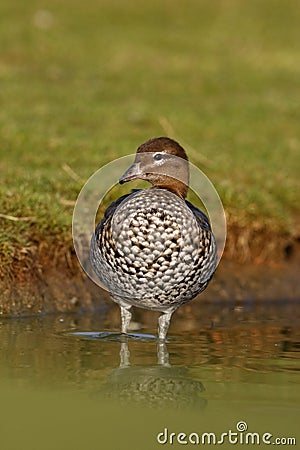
(172, 185)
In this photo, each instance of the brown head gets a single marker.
(162, 162)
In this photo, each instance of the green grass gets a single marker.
(89, 81)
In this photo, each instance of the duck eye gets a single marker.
(158, 157)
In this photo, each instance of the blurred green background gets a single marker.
(85, 82)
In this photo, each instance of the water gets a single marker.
(72, 382)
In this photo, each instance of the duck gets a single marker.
(153, 249)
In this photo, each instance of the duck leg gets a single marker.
(125, 318)
(163, 324)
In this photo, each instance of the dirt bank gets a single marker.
(42, 280)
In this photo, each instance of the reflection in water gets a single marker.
(154, 386)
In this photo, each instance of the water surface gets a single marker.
(71, 382)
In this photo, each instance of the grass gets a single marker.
(85, 82)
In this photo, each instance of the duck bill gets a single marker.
(132, 173)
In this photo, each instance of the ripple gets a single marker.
(109, 336)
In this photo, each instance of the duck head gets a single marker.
(162, 162)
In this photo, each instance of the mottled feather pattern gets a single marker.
(154, 250)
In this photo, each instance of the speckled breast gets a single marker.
(151, 250)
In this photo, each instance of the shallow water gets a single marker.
(64, 385)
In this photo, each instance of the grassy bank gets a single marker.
(84, 83)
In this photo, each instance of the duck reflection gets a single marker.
(155, 386)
